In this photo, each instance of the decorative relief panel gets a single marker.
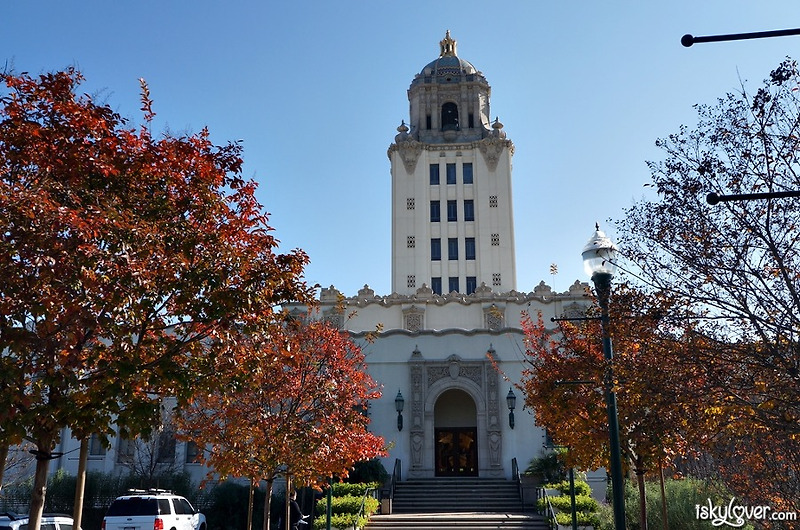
(478, 376)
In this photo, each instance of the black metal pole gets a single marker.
(572, 498)
(687, 40)
(602, 283)
(715, 198)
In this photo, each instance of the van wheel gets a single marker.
(203, 526)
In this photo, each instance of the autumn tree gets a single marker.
(659, 416)
(128, 264)
(738, 264)
(298, 409)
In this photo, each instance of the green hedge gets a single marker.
(583, 518)
(345, 506)
(341, 520)
(341, 489)
(581, 487)
(563, 503)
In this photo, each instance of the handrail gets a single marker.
(369, 492)
(549, 511)
(515, 476)
(395, 477)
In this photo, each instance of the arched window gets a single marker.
(450, 116)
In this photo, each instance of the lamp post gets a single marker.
(599, 261)
(399, 403)
(511, 401)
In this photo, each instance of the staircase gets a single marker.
(457, 504)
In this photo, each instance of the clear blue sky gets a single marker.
(316, 90)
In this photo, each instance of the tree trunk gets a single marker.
(642, 496)
(80, 485)
(39, 488)
(287, 510)
(3, 458)
(250, 506)
(267, 505)
(665, 524)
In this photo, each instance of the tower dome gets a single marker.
(449, 99)
(448, 64)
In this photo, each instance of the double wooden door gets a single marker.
(456, 451)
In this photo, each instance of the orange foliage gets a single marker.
(296, 405)
(127, 263)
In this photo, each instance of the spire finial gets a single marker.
(447, 46)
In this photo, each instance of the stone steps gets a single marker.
(457, 504)
(457, 521)
(453, 495)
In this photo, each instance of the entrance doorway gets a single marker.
(457, 452)
(455, 434)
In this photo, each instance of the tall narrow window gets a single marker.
(434, 168)
(469, 248)
(467, 171)
(471, 120)
(452, 248)
(452, 284)
(126, 449)
(472, 284)
(95, 447)
(452, 211)
(436, 249)
(166, 447)
(469, 210)
(436, 214)
(192, 453)
(428, 123)
(451, 173)
(436, 285)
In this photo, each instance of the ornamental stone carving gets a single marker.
(408, 147)
(429, 379)
(491, 149)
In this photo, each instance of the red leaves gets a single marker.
(294, 403)
(121, 257)
(657, 394)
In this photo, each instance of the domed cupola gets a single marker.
(448, 65)
(449, 99)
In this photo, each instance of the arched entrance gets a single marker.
(456, 434)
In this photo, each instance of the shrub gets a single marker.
(340, 520)
(563, 503)
(549, 466)
(583, 518)
(369, 471)
(348, 504)
(581, 487)
(345, 506)
(341, 489)
(682, 497)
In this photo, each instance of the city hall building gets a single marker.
(450, 347)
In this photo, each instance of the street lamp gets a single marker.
(511, 401)
(399, 403)
(600, 262)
